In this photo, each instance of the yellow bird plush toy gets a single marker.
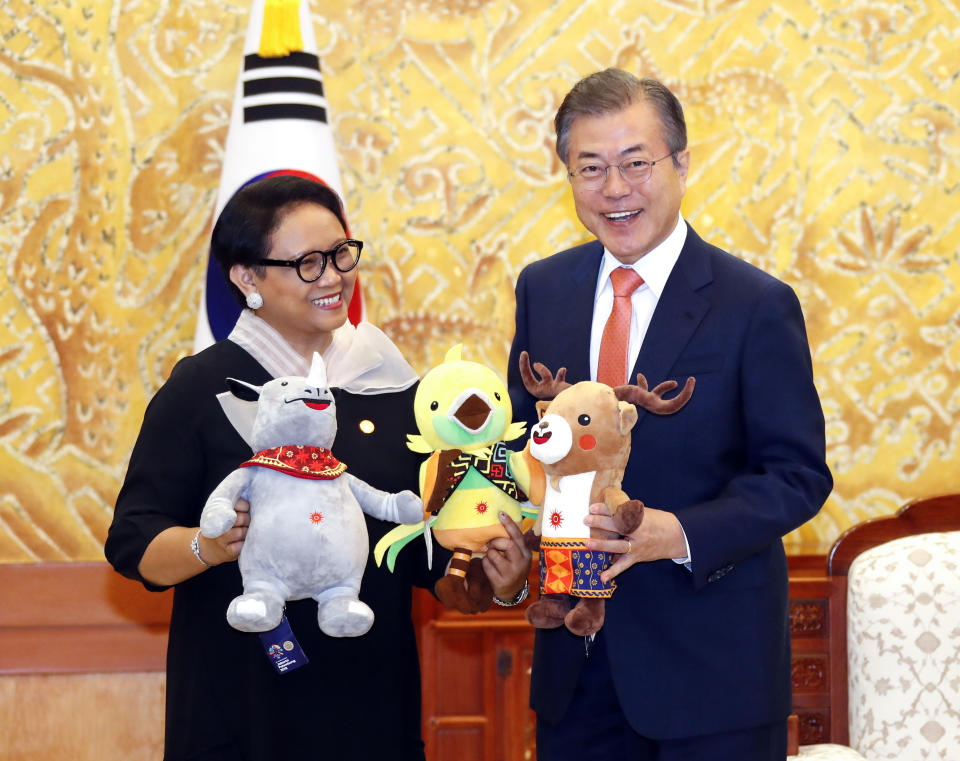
(464, 416)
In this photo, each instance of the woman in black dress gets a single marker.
(356, 698)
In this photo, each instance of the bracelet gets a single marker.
(195, 546)
(518, 598)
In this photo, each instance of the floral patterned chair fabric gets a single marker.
(903, 652)
(827, 752)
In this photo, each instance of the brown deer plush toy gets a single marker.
(582, 440)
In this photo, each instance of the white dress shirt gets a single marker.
(654, 267)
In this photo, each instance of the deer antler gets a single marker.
(653, 401)
(548, 386)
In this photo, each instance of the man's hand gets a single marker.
(507, 561)
(659, 537)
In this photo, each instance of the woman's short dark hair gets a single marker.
(242, 232)
(613, 90)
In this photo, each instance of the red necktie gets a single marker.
(612, 368)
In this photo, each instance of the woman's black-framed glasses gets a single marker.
(310, 266)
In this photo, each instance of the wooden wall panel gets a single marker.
(460, 673)
(79, 618)
(82, 717)
(514, 724)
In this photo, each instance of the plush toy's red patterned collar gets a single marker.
(299, 461)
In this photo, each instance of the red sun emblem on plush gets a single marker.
(556, 519)
(481, 507)
(316, 518)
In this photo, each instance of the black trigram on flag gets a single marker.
(283, 88)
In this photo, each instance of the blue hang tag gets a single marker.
(282, 648)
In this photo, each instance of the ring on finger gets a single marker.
(629, 547)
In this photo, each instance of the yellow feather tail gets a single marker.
(393, 536)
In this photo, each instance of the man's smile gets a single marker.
(621, 216)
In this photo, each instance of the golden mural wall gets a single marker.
(825, 142)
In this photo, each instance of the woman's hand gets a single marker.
(169, 558)
(226, 547)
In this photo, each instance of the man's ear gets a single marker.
(683, 164)
(243, 390)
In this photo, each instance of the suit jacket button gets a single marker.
(719, 573)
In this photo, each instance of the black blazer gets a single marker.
(703, 650)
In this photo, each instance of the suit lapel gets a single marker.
(575, 313)
(679, 311)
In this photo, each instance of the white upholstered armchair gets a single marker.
(902, 634)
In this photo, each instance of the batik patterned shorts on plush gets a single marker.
(568, 567)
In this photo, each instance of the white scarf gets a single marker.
(361, 359)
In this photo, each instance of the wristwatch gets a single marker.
(517, 599)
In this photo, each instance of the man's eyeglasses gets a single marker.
(310, 266)
(634, 171)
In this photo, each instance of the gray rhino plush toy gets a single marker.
(307, 536)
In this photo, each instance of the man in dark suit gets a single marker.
(693, 660)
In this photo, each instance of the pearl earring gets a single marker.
(254, 300)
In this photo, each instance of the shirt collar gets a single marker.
(655, 266)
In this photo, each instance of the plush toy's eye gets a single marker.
(584, 420)
(283, 383)
(496, 395)
(434, 406)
